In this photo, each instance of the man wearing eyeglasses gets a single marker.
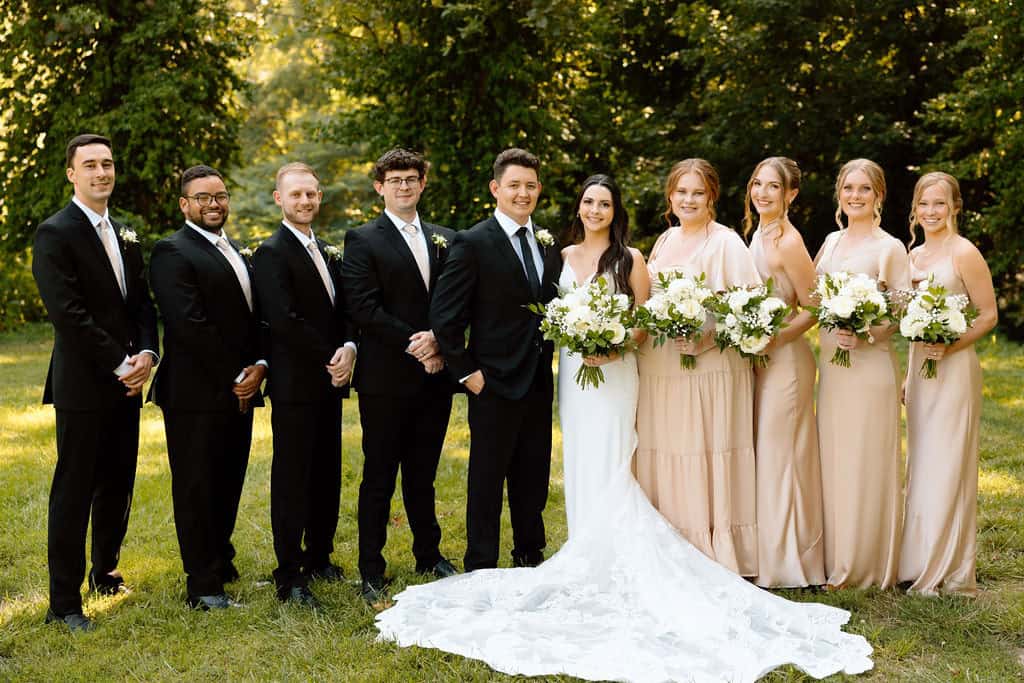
(390, 268)
(208, 382)
(298, 279)
(91, 278)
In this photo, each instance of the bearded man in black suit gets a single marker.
(493, 272)
(389, 274)
(91, 278)
(298, 282)
(209, 380)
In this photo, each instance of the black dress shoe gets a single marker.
(299, 595)
(442, 569)
(108, 584)
(76, 621)
(205, 603)
(374, 589)
(330, 572)
(531, 559)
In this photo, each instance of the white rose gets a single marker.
(754, 343)
(737, 300)
(622, 301)
(690, 308)
(842, 306)
(680, 287)
(912, 326)
(771, 304)
(618, 332)
(956, 321)
(731, 321)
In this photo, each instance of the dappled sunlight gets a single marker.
(999, 484)
(25, 419)
(23, 605)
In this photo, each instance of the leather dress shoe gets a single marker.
(108, 584)
(531, 559)
(76, 621)
(205, 603)
(374, 589)
(330, 572)
(299, 595)
(442, 569)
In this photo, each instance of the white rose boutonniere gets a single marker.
(246, 252)
(544, 238)
(129, 235)
(332, 252)
(439, 241)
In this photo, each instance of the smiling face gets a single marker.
(298, 194)
(597, 209)
(857, 196)
(401, 190)
(212, 216)
(690, 201)
(517, 192)
(934, 211)
(92, 175)
(768, 194)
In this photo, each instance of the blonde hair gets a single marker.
(953, 198)
(707, 174)
(876, 176)
(294, 167)
(790, 174)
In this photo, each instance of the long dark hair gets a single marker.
(616, 259)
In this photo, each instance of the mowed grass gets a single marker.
(151, 636)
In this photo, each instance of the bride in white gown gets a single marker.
(626, 598)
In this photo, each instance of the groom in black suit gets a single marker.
(208, 381)
(389, 273)
(493, 271)
(298, 283)
(91, 278)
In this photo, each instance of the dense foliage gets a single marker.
(624, 87)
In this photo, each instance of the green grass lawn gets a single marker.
(149, 635)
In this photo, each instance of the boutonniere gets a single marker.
(332, 252)
(544, 238)
(440, 242)
(246, 252)
(128, 235)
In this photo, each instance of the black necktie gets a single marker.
(531, 268)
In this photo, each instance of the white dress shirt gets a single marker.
(511, 228)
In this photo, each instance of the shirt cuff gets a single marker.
(263, 363)
(352, 345)
(156, 356)
(124, 368)
(462, 380)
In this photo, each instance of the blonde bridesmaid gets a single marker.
(943, 413)
(695, 458)
(789, 513)
(859, 406)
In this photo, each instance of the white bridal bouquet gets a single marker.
(589, 320)
(933, 315)
(747, 318)
(849, 301)
(678, 309)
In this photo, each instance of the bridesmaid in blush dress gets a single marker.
(859, 406)
(943, 413)
(695, 458)
(789, 514)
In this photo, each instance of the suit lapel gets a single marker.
(311, 270)
(401, 247)
(215, 255)
(92, 238)
(432, 249)
(503, 246)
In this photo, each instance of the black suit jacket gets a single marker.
(483, 285)
(209, 332)
(388, 302)
(305, 327)
(94, 326)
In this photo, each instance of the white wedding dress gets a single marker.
(626, 598)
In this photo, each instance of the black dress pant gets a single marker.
(96, 457)
(208, 454)
(509, 440)
(404, 432)
(305, 487)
